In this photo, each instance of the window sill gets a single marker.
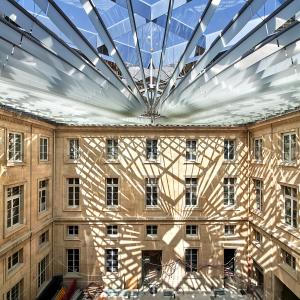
(289, 270)
(112, 208)
(257, 212)
(71, 208)
(13, 229)
(150, 208)
(44, 162)
(192, 237)
(147, 162)
(15, 164)
(191, 162)
(112, 162)
(189, 208)
(257, 162)
(233, 208)
(288, 164)
(13, 269)
(150, 237)
(72, 161)
(230, 235)
(257, 245)
(230, 161)
(72, 238)
(111, 237)
(289, 229)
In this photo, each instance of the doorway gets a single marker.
(229, 262)
(151, 265)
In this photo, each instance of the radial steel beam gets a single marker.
(164, 46)
(53, 42)
(137, 45)
(229, 32)
(252, 39)
(200, 28)
(100, 27)
(57, 16)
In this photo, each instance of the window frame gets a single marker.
(19, 287)
(152, 149)
(112, 151)
(258, 149)
(46, 240)
(71, 201)
(293, 198)
(43, 271)
(258, 189)
(19, 254)
(191, 230)
(191, 189)
(190, 151)
(112, 230)
(43, 190)
(112, 260)
(151, 189)
(113, 200)
(227, 149)
(151, 230)
(73, 150)
(74, 228)
(10, 199)
(257, 236)
(44, 156)
(231, 189)
(229, 229)
(74, 262)
(13, 150)
(290, 159)
(191, 260)
(286, 256)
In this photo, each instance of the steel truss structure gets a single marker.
(201, 62)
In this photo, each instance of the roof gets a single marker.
(175, 62)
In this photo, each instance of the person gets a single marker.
(102, 296)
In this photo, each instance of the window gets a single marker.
(111, 260)
(151, 191)
(191, 191)
(257, 236)
(191, 260)
(112, 230)
(15, 147)
(288, 259)
(229, 186)
(15, 259)
(191, 230)
(43, 270)
(289, 147)
(73, 260)
(258, 155)
(258, 194)
(73, 148)
(73, 192)
(112, 191)
(229, 149)
(290, 206)
(112, 149)
(229, 229)
(16, 292)
(72, 230)
(191, 150)
(151, 149)
(151, 229)
(44, 149)
(44, 238)
(43, 195)
(14, 205)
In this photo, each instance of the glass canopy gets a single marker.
(207, 62)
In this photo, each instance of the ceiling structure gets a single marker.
(196, 62)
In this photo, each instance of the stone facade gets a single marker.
(171, 215)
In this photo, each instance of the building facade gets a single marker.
(184, 206)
